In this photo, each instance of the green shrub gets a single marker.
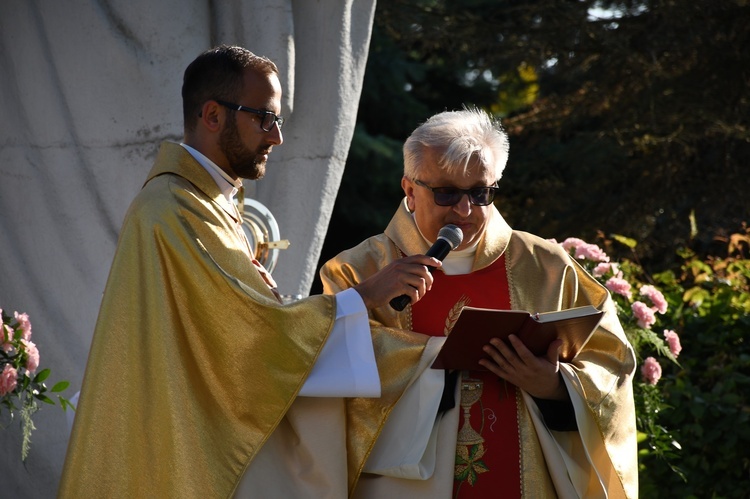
(707, 398)
(692, 405)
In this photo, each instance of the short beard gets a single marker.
(244, 163)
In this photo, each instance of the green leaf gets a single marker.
(65, 403)
(42, 375)
(60, 386)
(627, 241)
(45, 399)
(693, 225)
(696, 295)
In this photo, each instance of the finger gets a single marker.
(417, 282)
(521, 349)
(493, 367)
(429, 261)
(429, 280)
(503, 348)
(553, 351)
(419, 274)
(425, 260)
(495, 356)
(413, 294)
(419, 269)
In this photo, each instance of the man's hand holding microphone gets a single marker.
(407, 280)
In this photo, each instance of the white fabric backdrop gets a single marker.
(88, 90)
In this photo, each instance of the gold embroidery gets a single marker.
(455, 311)
(469, 464)
(471, 392)
(469, 444)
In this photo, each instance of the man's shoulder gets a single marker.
(527, 242)
(161, 201)
(160, 191)
(362, 260)
(373, 248)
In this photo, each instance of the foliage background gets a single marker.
(628, 117)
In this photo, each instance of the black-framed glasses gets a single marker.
(267, 119)
(449, 196)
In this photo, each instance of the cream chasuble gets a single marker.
(194, 363)
(599, 460)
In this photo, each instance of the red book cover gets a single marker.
(476, 326)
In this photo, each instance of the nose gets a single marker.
(275, 136)
(463, 207)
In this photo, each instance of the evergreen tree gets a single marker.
(626, 117)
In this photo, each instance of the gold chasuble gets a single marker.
(193, 362)
(499, 436)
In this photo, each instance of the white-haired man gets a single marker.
(529, 426)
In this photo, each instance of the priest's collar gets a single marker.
(227, 185)
(403, 231)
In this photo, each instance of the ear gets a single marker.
(408, 186)
(212, 116)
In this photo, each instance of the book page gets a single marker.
(565, 314)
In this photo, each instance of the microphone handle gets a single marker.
(400, 302)
(438, 250)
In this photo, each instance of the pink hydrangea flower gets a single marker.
(6, 337)
(24, 325)
(644, 314)
(602, 269)
(651, 370)
(591, 252)
(674, 342)
(617, 284)
(8, 380)
(572, 243)
(655, 296)
(32, 352)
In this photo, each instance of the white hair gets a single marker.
(461, 135)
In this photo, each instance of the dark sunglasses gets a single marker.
(267, 119)
(449, 196)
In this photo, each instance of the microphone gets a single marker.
(449, 238)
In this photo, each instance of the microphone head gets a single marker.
(452, 234)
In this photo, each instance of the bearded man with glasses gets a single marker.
(520, 425)
(200, 381)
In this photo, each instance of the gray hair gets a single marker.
(461, 135)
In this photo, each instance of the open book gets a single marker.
(476, 326)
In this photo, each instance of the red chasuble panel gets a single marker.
(488, 449)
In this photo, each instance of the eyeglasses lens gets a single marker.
(449, 196)
(268, 121)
